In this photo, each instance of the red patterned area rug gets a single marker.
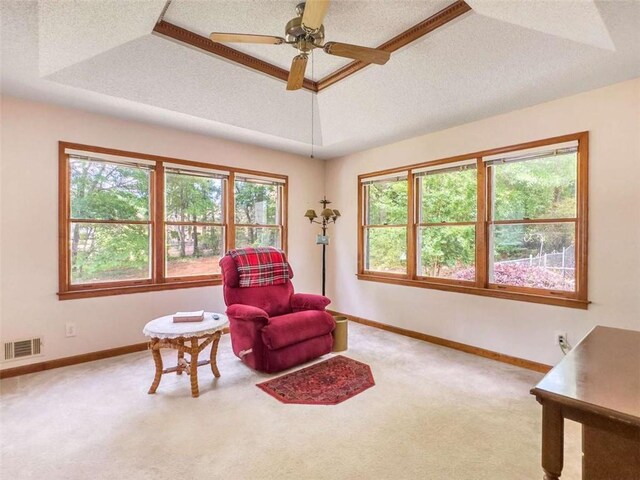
(326, 383)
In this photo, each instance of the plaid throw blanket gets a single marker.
(260, 266)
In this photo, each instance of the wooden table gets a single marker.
(185, 338)
(598, 385)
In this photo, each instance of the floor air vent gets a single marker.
(22, 348)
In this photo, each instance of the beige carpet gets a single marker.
(434, 413)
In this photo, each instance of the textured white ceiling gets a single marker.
(155, 71)
(579, 21)
(366, 22)
(477, 66)
(74, 30)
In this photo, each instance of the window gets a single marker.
(110, 222)
(447, 221)
(509, 223)
(258, 212)
(385, 225)
(194, 222)
(532, 235)
(133, 222)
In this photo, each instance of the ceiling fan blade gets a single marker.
(314, 12)
(296, 74)
(245, 38)
(364, 54)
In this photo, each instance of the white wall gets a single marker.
(29, 225)
(526, 330)
(28, 228)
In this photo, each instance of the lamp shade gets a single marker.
(327, 213)
(336, 213)
(311, 214)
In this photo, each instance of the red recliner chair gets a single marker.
(273, 328)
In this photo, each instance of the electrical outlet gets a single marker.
(70, 329)
(560, 338)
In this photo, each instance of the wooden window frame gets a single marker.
(158, 280)
(366, 226)
(281, 214)
(482, 286)
(166, 223)
(417, 204)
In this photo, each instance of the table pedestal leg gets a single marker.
(157, 359)
(214, 351)
(180, 357)
(194, 368)
(552, 441)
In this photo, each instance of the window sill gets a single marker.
(486, 292)
(122, 290)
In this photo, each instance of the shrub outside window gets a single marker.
(532, 234)
(509, 222)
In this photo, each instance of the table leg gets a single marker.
(180, 357)
(194, 368)
(157, 359)
(214, 351)
(552, 440)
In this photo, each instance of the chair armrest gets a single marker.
(246, 312)
(245, 324)
(308, 301)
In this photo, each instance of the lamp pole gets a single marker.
(324, 260)
(328, 216)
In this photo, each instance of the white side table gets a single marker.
(166, 334)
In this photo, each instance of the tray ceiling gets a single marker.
(486, 62)
(367, 23)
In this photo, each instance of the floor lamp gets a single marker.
(327, 216)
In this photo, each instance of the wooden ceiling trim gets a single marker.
(187, 37)
(419, 30)
(182, 35)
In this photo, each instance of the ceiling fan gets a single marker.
(306, 32)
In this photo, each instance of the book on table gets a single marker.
(196, 316)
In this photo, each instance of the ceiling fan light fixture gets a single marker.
(306, 33)
(296, 34)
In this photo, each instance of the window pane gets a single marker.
(258, 237)
(386, 249)
(192, 198)
(256, 203)
(193, 250)
(387, 203)
(104, 191)
(103, 252)
(539, 188)
(447, 252)
(534, 255)
(449, 196)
